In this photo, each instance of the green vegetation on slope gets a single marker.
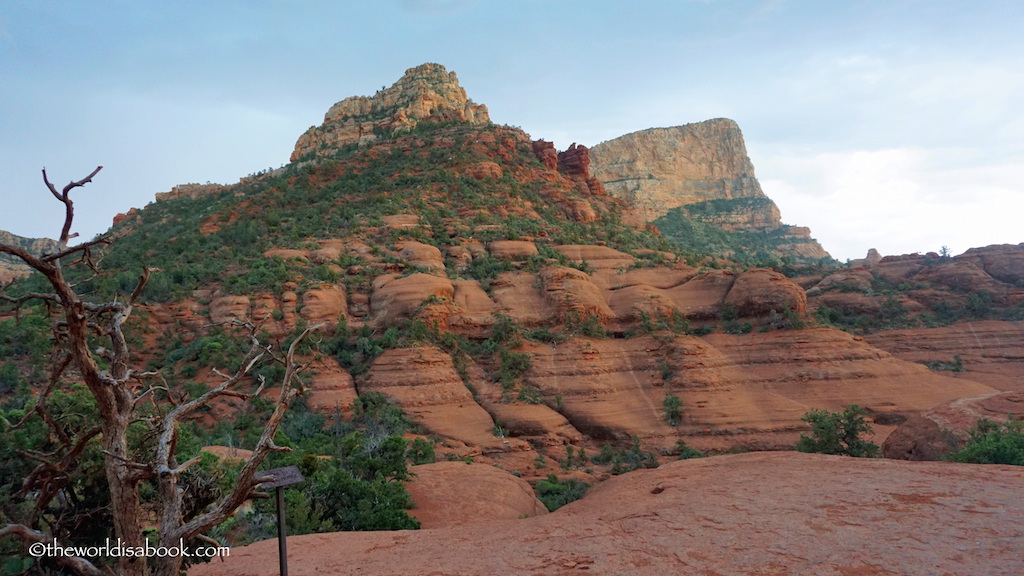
(699, 228)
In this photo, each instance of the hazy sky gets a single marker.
(894, 124)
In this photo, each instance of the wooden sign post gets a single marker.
(282, 477)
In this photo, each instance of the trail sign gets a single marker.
(282, 477)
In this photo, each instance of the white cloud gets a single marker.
(898, 200)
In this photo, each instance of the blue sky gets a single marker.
(893, 124)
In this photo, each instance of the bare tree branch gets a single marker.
(247, 477)
(118, 393)
(69, 207)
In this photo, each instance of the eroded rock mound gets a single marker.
(452, 494)
(425, 384)
(760, 292)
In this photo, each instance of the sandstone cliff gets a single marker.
(658, 169)
(703, 170)
(426, 92)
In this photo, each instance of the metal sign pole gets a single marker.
(282, 543)
(282, 477)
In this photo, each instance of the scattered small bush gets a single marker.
(673, 410)
(838, 433)
(626, 459)
(555, 493)
(957, 365)
(685, 451)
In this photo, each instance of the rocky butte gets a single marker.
(699, 171)
(425, 93)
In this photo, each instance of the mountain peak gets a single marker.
(427, 92)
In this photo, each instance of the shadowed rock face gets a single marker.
(795, 514)
(426, 92)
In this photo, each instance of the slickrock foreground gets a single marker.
(756, 513)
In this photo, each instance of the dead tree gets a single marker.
(119, 393)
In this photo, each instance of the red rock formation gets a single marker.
(331, 389)
(286, 254)
(579, 211)
(518, 296)
(546, 153)
(571, 292)
(596, 257)
(324, 305)
(484, 171)
(918, 439)
(575, 162)
(1004, 262)
(132, 214)
(422, 255)
(512, 249)
(400, 298)
(227, 308)
(872, 258)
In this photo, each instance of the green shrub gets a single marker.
(838, 433)
(512, 365)
(685, 451)
(626, 459)
(992, 443)
(421, 452)
(673, 410)
(957, 365)
(555, 493)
